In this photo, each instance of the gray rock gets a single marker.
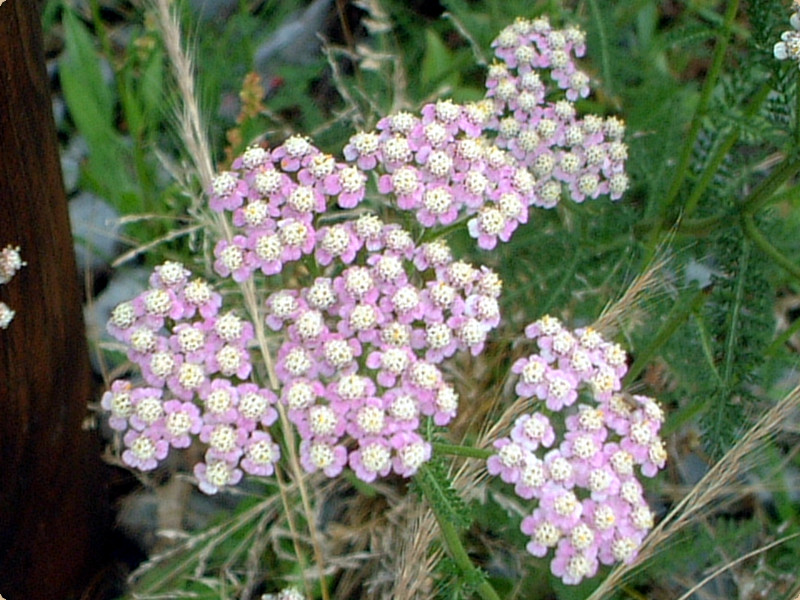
(700, 273)
(295, 42)
(95, 227)
(71, 158)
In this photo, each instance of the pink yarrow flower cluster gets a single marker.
(540, 127)
(590, 507)
(10, 262)
(492, 160)
(274, 199)
(196, 365)
(359, 366)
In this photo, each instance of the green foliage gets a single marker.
(438, 68)
(91, 103)
(740, 326)
(235, 544)
(453, 584)
(767, 19)
(434, 482)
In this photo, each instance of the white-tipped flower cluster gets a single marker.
(789, 46)
(10, 263)
(581, 451)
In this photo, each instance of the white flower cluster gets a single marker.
(10, 263)
(789, 46)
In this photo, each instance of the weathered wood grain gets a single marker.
(53, 514)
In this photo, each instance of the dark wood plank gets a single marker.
(53, 514)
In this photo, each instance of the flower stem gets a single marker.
(597, 15)
(452, 540)
(767, 248)
(782, 339)
(722, 151)
(797, 114)
(456, 450)
(705, 97)
(682, 169)
(684, 306)
(765, 191)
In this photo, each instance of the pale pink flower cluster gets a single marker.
(524, 145)
(541, 128)
(581, 453)
(359, 366)
(10, 262)
(196, 366)
(274, 199)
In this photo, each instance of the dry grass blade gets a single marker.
(144, 248)
(711, 488)
(732, 564)
(193, 133)
(188, 553)
(643, 287)
(415, 562)
(477, 51)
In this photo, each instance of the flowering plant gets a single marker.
(351, 318)
(374, 315)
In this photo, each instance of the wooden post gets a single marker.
(53, 512)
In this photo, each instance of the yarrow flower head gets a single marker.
(523, 145)
(195, 362)
(589, 504)
(789, 46)
(359, 367)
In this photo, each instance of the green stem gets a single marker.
(680, 312)
(597, 14)
(797, 114)
(466, 451)
(682, 170)
(452, 540)
(702, 226)
(722, 151)
(434, 233)
(765, 191)
(706, 345)
(784, 337)
(764, 245)
(758, 198)
(788, 194)
(567, 276)
(735, 320)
